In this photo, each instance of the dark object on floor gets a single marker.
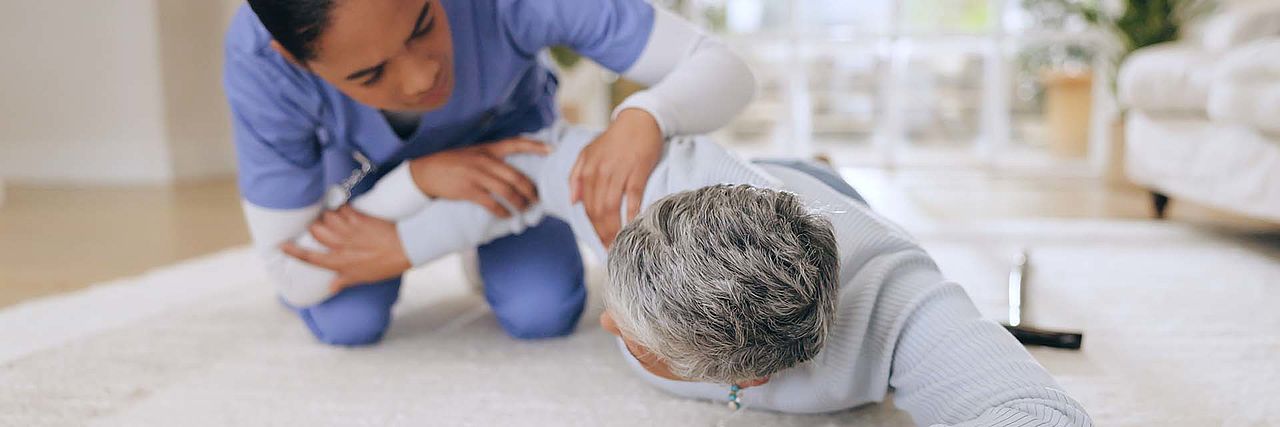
(1160, 202)
(1026, 334)
(1031, 336)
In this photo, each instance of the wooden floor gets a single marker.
(56, 240)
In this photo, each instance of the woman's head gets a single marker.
(387, 54)
(727, 284)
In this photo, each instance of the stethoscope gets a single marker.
(341, 193)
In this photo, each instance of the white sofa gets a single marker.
(1203, 119)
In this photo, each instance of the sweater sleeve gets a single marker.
(448, 226)
(952, 367)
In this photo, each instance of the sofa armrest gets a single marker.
(1172, 77)
(1258, 60)
(1240, 24)
(1246, 86)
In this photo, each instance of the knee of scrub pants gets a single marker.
(357, 316)
(534, 281)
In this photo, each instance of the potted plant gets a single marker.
(1141, 23)
(1132, 24)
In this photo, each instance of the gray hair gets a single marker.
(726, 283)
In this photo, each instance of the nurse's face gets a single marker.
(388, 54)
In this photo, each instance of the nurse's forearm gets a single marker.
(302, 284)
(294, 279)
(697, 85)
(430, 229)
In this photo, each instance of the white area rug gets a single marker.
(1181, 328)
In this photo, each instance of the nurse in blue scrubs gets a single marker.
(328, 96)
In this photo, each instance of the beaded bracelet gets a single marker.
(735, 400)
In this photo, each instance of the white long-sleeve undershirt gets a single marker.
(697, 85)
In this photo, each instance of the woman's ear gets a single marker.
(754, 383)
(276, 46)
(606, 322)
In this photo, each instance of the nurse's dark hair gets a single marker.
(295, 24)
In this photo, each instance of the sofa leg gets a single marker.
(1160, 202)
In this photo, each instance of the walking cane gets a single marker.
(1026, 334)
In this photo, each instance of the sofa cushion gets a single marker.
(1246, 87)
(1167, 78)
(1231, 167)
(1241, 23)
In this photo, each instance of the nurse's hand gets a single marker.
(616, 164)
(361, 248)
(480, 174)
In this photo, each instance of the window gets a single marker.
(895, 82)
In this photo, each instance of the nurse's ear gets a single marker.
(275, 45)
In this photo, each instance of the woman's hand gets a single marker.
(362, 249)
(616, 164)
(480, 174)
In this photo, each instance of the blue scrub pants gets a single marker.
(533, 281)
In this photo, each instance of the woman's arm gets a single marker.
(447, 226)
(952, 367)
(313, 273)
(697, 85)
(278, 137)
(396, 221)
(275, 123)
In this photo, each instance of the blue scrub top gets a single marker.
(295, 135)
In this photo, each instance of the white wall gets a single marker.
(112, 92)
(199, 131)
(79, 100)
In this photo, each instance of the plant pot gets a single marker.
(1068, 103)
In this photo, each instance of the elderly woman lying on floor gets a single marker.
(770, 284)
